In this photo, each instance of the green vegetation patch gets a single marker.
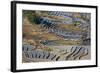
(31, 15)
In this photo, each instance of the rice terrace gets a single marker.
(55, 36)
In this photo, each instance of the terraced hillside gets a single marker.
(51, 36)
